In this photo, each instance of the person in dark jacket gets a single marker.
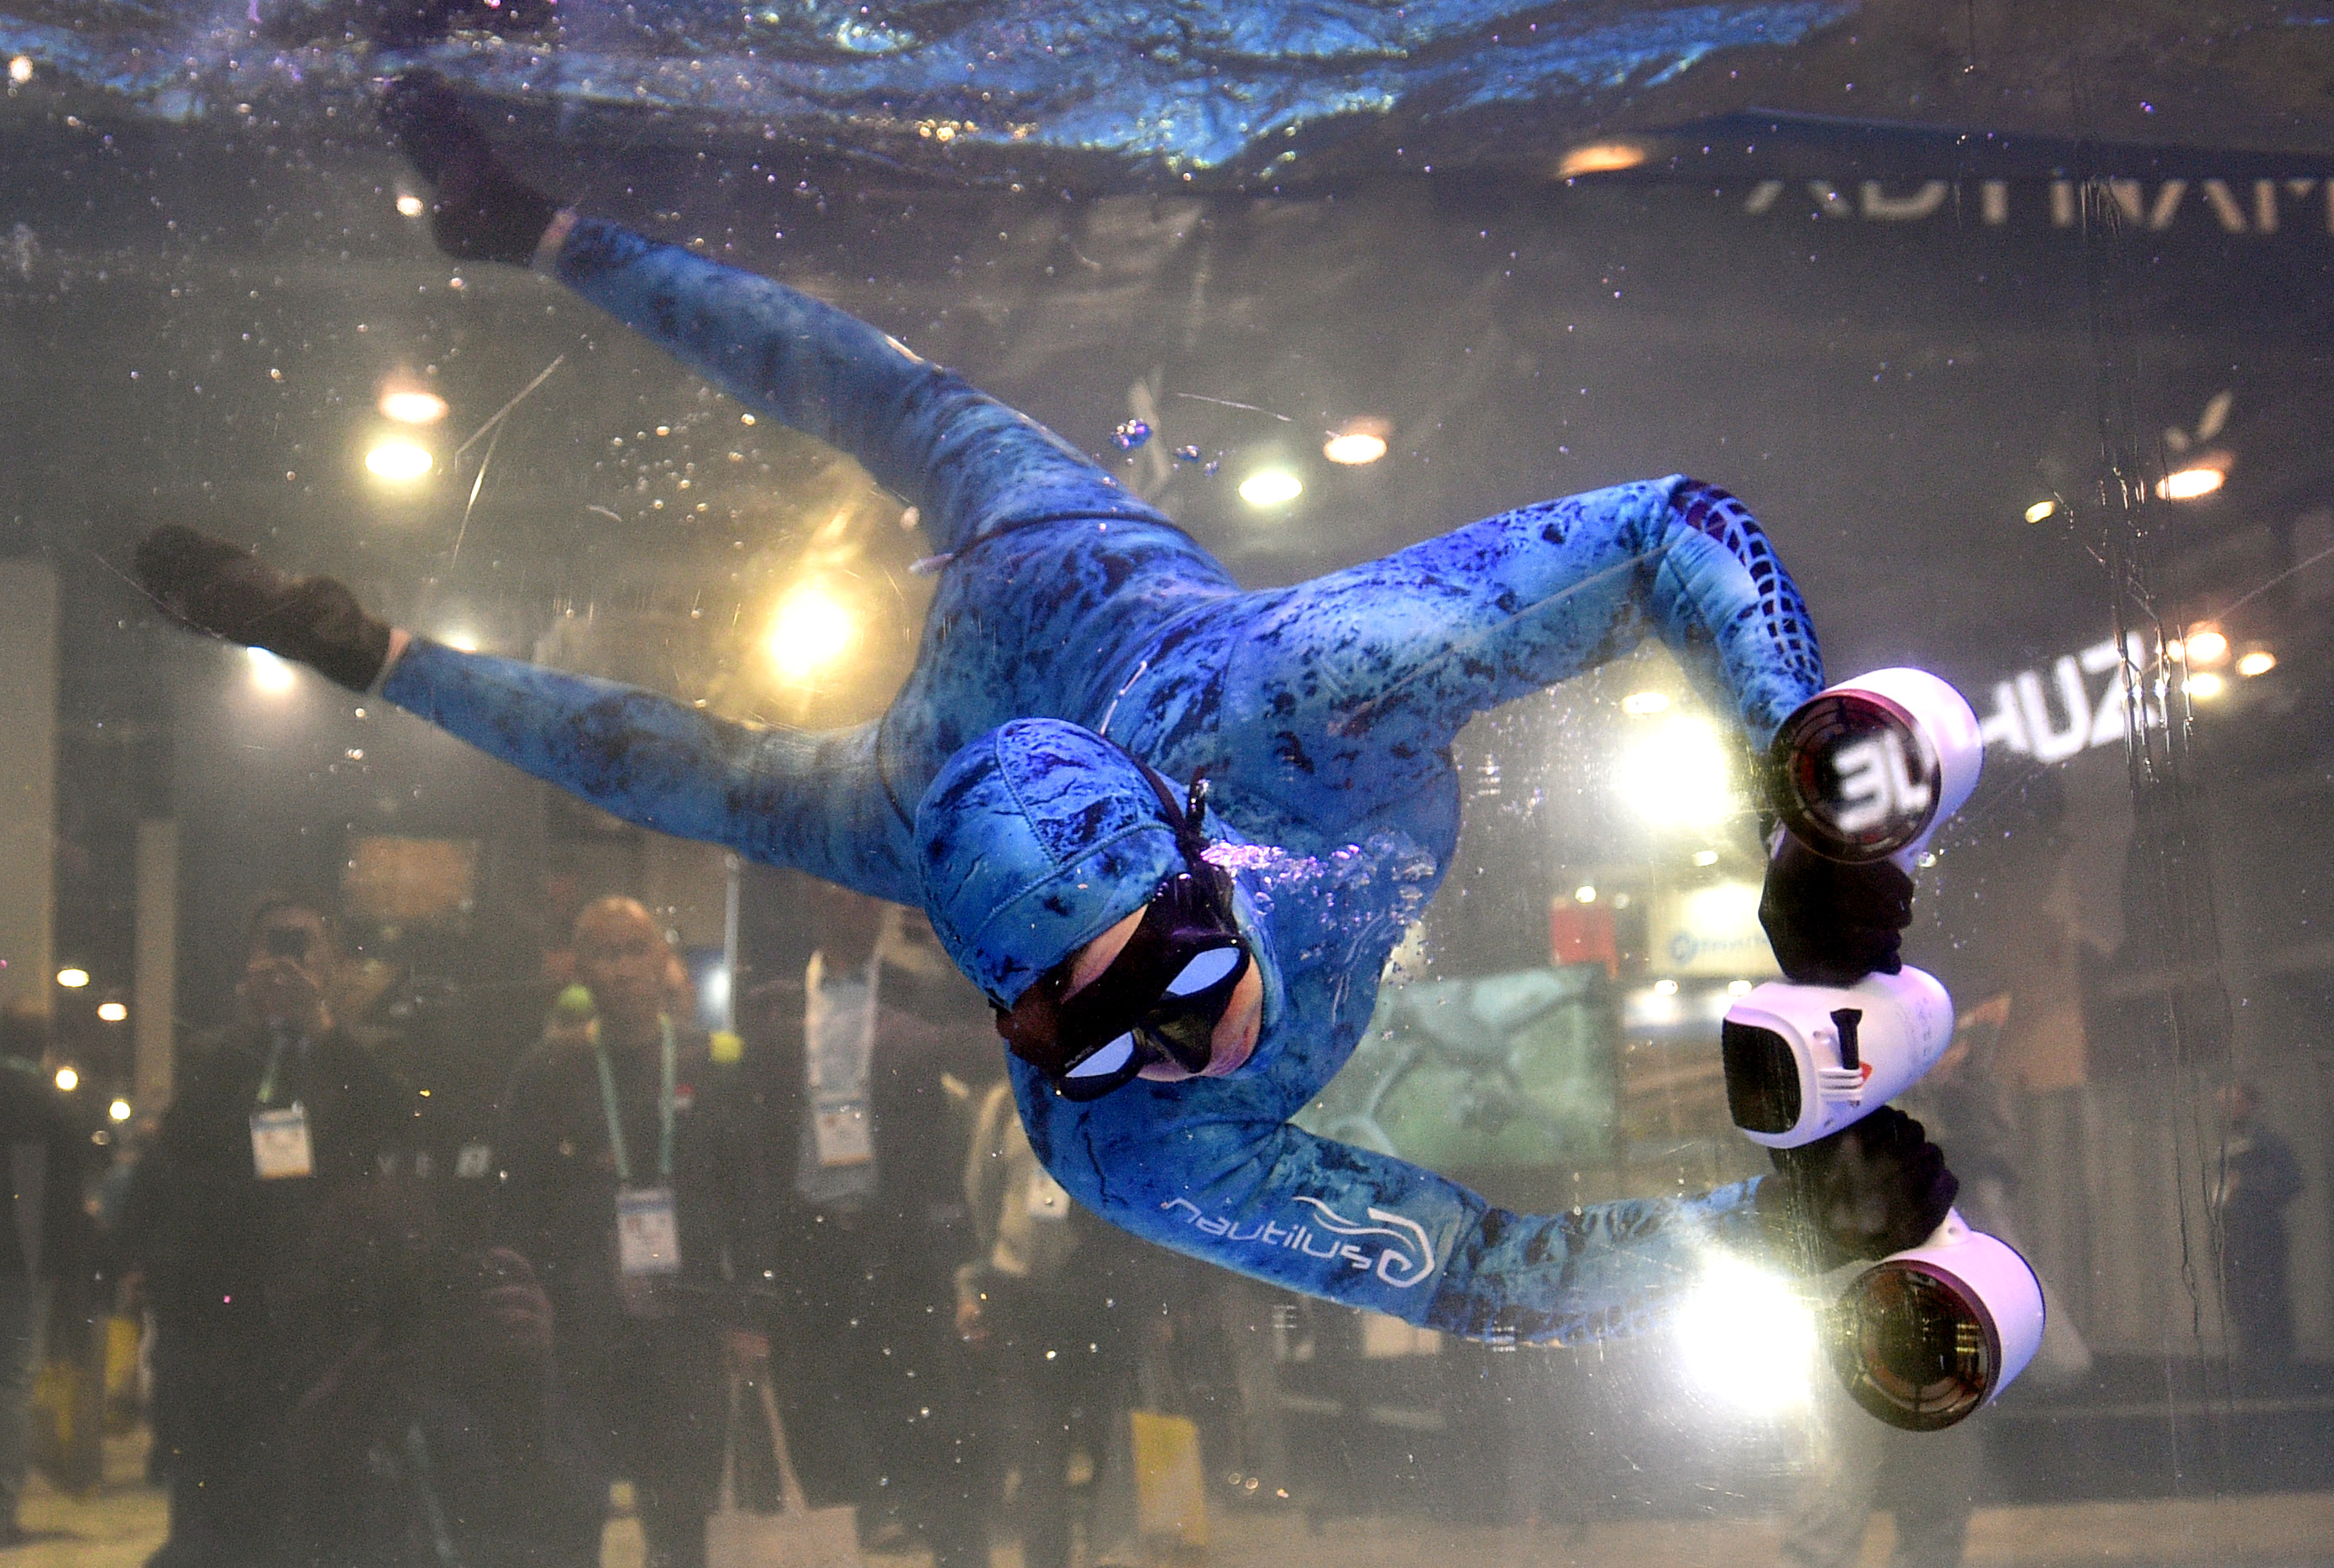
(2259, 1179)
(48, 1166)
(868, 1067)
(627, 1178)
(267, 1221)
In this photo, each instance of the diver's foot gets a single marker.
(483, 212)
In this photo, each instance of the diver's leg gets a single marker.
(968, 462)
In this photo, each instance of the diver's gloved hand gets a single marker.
(1830, 923)
(210, 585)
(484, 212)
(1875, 1186)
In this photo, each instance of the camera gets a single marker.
(1867, 769)
(1861, 771)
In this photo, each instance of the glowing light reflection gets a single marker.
(113, 1012)
(1678, 775)
(398, 462)
(72, 979)
(1748, 1339)
(269, 674)
(411, 406)
(1600, 158)
(2190, 483)
(2260, 662)
(1272, 487)
(811, 631)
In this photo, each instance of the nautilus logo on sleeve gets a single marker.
(1392, 1246)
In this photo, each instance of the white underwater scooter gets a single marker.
(1865, 771)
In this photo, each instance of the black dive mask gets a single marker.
(1161, 997)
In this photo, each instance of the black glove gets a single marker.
(484, 212)
(1875, 1186)
(1831, 923)
(210, 585)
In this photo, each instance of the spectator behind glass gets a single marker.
(595, 1120)
(2258, 1178)
(266, 1219)
(50, 1240)
(870, 1067)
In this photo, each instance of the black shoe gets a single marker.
(484, 212)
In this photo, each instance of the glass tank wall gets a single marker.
(2008, 323)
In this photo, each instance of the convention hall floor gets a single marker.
(123, 1522)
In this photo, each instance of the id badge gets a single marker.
(1048, 1200)
(647, 1236)
(842, 1135)
(279, 1143)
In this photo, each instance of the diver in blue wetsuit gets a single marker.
(1177, 967)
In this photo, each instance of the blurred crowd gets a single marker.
(407, 1291)
(418, 1271)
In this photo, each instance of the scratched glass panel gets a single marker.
(418, 1158)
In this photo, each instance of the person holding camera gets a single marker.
(266, 1222)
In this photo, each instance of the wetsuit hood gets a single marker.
(1032, 842)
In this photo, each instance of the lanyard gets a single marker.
(664, 1113)
(275, 1060)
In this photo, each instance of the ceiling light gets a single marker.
(811, 630)
(1272, 487)
(72, 979)
(270, 674)
(1584, 893)
(2190, 483)
(2205, 648)
(118, 1111)
(1600, 158)
(412, 406)
(68, 1080)
(2206, 685)
(410, 205)
(1358, 441)
(113, 1012)
(1642, 703)
(398, 462)
(2260, 662)
(2042, 511)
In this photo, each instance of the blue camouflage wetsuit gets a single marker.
(1322, 715)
